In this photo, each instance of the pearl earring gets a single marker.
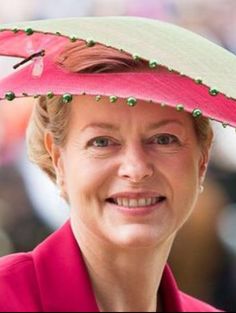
(60, 184)
(201, 189)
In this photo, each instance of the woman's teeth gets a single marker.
(135, 203)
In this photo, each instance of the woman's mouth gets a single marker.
(136, 203)
(136, 207)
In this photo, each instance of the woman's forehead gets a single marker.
(87, 109)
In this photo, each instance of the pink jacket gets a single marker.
(53, 278)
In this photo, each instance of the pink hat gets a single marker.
(184, 70)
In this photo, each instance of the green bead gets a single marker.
(153, 64)
(90, 43)
(113, 99)
(198, 80)
(67, 98)
(213, 92)
(131, 101)
(73, 39)
(197, 113)
(29, 31)
(98, 98)
(15, 30)
(10, 96)
(50, 95)
(180, 107)
(136, 57)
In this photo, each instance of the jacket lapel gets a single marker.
(63, 280)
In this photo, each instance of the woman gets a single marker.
(131, 174)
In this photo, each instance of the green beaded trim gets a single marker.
(50, 95)
(136, 57)
(29, 31)
(67, 98)
(197, 113)
(214, 92)
(179, 107)
(113, 99)
(131, 101)
(73, 39)
(98, 98)
(199, 80)
(153, 64)
(10, 96)
(90, 43)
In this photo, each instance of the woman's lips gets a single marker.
(136, 206)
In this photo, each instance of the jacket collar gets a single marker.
(64, 281)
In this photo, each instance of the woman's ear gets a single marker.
(204, 160)
(55, 153)
(206, 148)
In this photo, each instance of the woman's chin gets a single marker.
(137, 236)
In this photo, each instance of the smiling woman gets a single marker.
(127, 146)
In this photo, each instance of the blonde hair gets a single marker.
(53, 115)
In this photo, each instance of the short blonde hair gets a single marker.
(53, 115)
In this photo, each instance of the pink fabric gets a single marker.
(18, 44)
(157, 85)
(54, 278)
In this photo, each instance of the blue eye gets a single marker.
(165, 139)
(100, 142)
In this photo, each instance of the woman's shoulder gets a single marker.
(17, 281)
(191, 304)
(14, 261)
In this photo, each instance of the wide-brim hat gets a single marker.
(184, 70)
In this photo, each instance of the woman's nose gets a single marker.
(135, 165)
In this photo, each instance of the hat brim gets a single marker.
(157, 86)
(188, 55)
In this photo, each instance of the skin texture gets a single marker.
(132, 157)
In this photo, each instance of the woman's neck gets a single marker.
(124, 280)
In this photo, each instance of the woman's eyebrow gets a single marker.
(164, 123)
(106, 126)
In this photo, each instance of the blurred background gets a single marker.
(204, 254)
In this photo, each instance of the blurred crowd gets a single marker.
(204, 255)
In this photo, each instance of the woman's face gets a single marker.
(132, 174)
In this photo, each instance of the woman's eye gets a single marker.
(165, 139)
(101, 142)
